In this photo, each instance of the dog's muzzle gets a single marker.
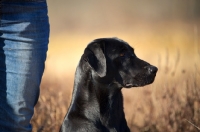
(145, 77)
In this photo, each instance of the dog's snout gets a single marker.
(151, 69)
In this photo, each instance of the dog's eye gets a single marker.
(121, 54)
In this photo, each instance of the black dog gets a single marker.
(107, 65)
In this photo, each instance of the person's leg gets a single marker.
(24, 33)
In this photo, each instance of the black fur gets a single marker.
(107, 65)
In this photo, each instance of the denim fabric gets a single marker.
(24, 34)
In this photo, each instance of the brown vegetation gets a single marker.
(168, 105)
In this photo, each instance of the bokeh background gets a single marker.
(165, 33)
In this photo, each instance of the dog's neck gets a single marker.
(96, 100)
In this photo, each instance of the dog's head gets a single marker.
(114, 61)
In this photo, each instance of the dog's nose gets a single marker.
(152, 69)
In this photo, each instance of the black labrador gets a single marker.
(107, 65)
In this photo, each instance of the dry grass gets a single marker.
(170, 104)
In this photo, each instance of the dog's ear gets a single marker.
(94, 55)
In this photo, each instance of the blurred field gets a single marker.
(168, 39)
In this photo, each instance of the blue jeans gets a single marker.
(24, 34)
